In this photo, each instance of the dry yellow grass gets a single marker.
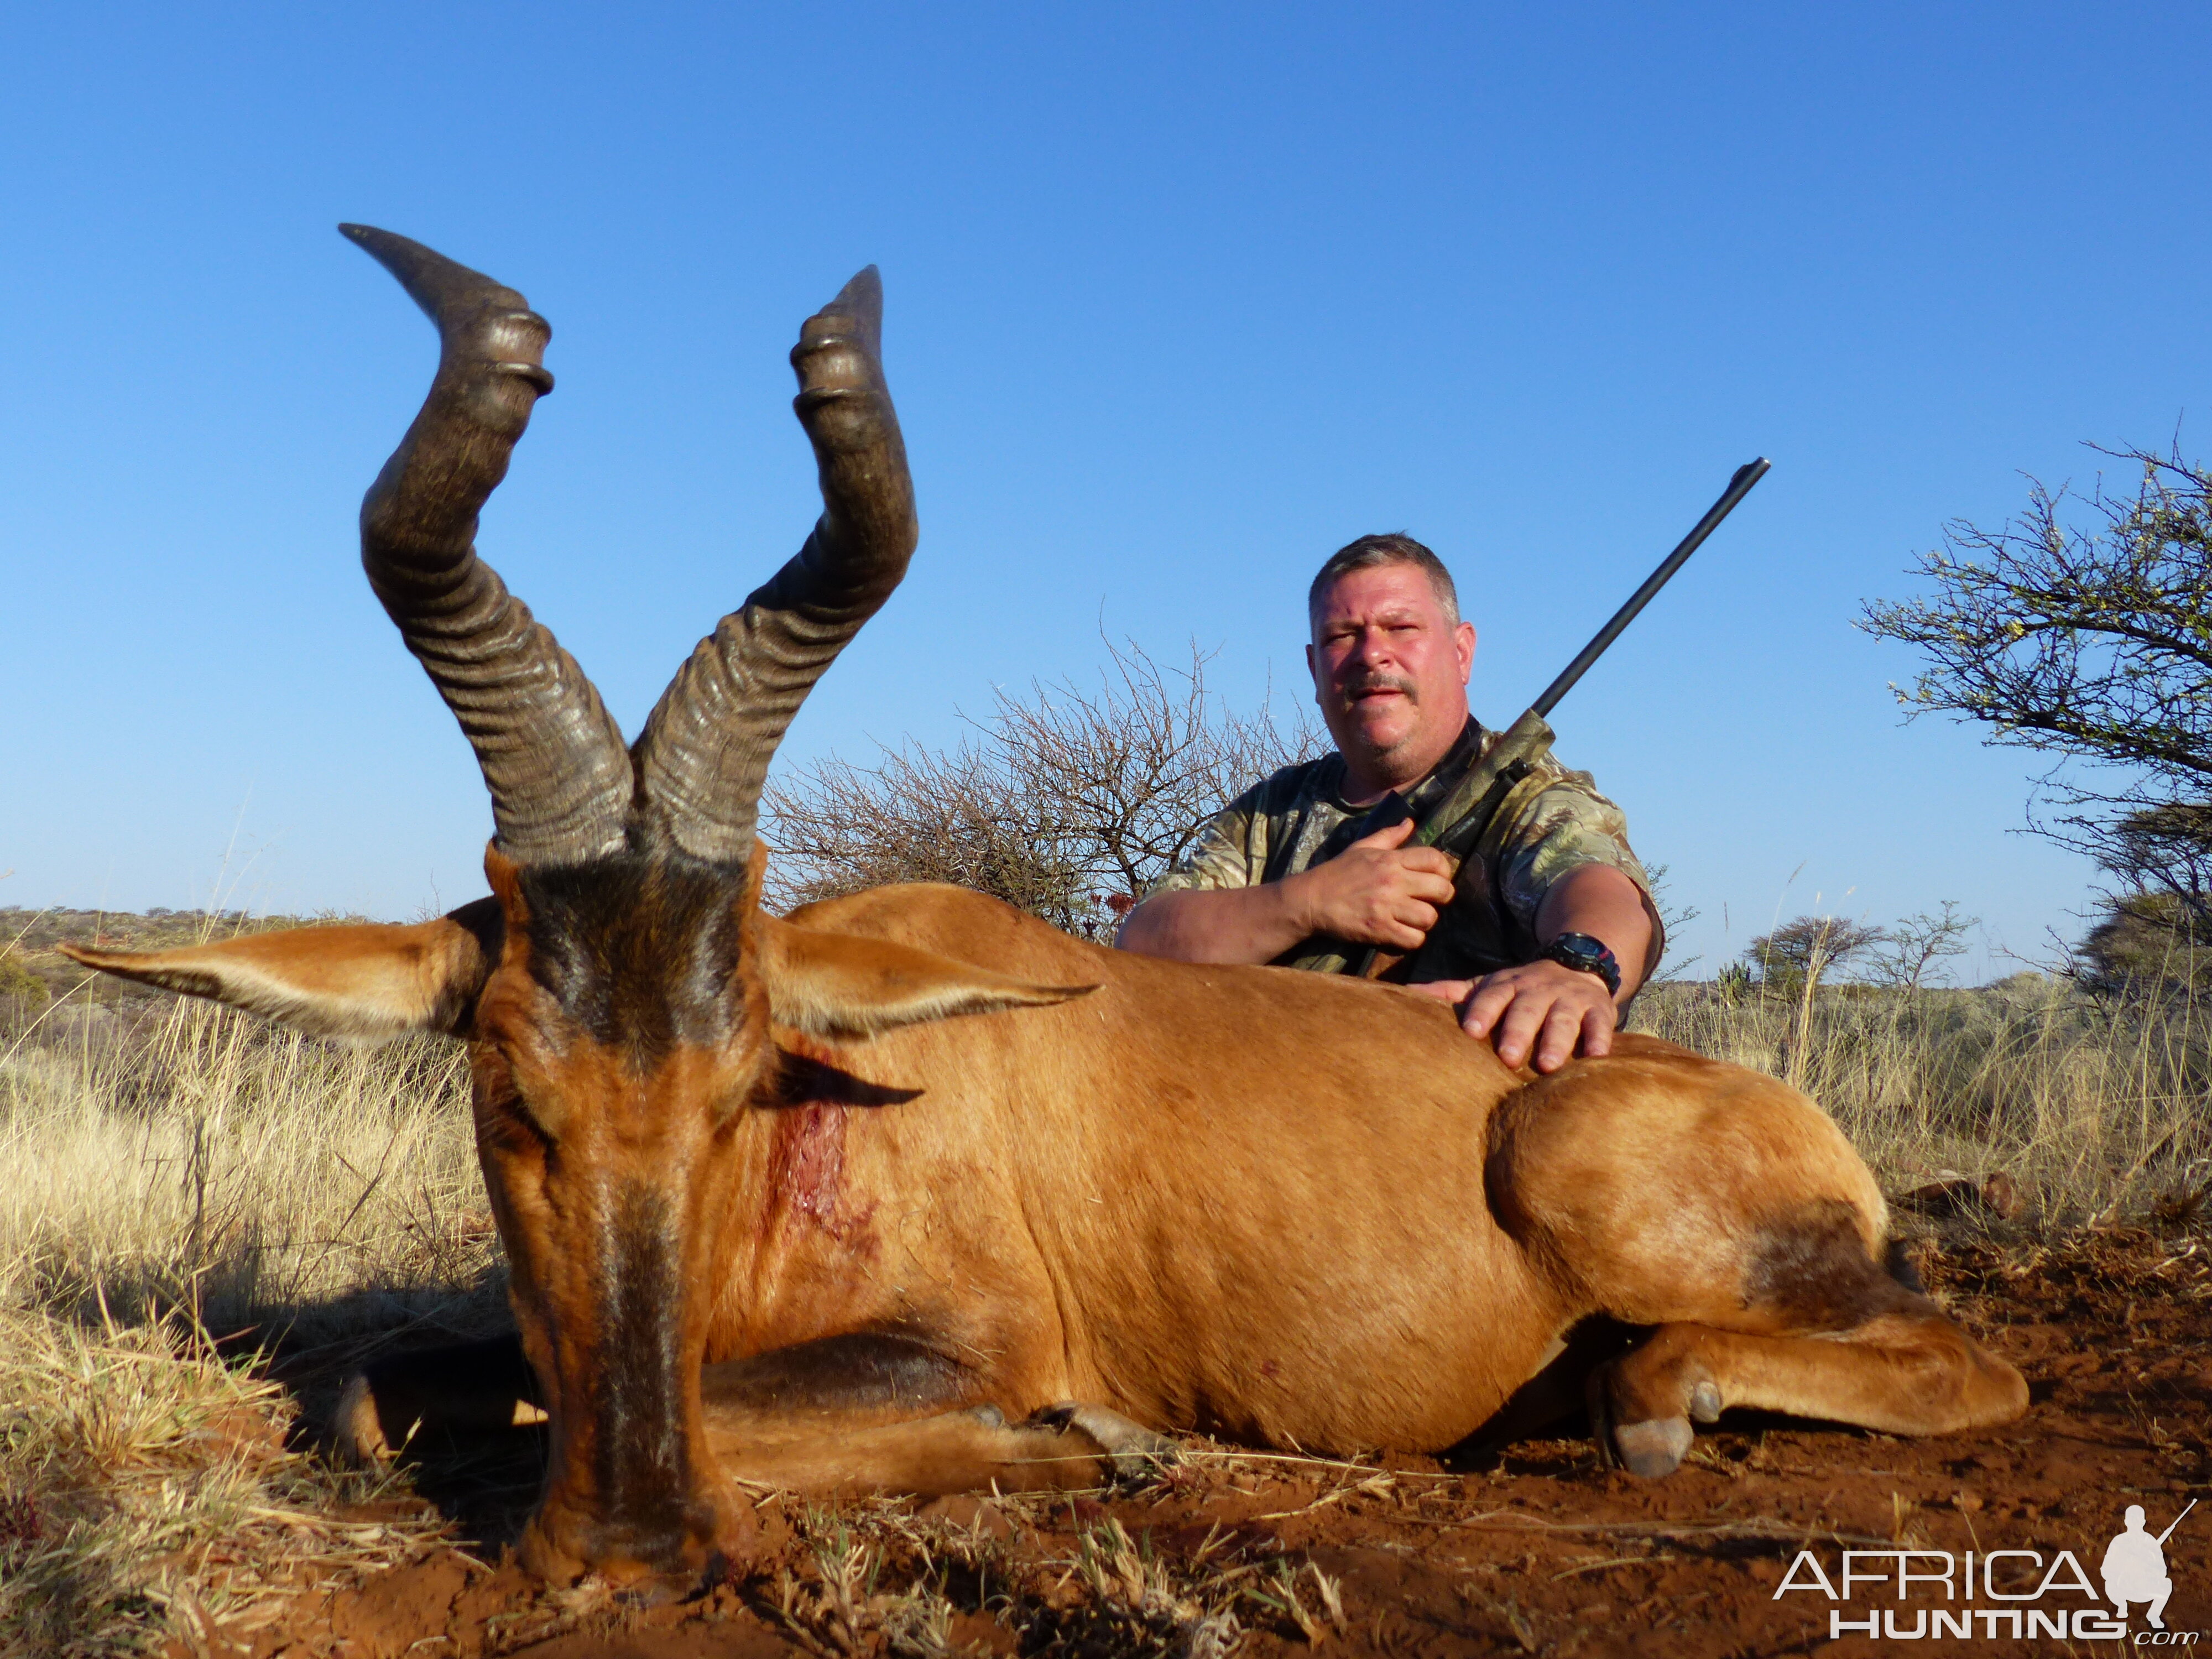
(173, 1170)
(186, 1154)
(146, 1488)
(175, 1173)
(2095, 1107)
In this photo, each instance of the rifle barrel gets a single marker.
(1739, 487)
(2178, 1520)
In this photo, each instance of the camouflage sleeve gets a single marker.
(1230, 851)
(1562, 825)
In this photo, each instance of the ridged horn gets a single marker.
(552, 756)
(703, 756)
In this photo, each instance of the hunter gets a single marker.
(1552, 927)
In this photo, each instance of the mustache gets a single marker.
(1362, 684)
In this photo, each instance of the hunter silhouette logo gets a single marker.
(1996, 1594)
(2135, 1566)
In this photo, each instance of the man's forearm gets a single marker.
(1376, 891)
(1598, 900)
(1232, 924)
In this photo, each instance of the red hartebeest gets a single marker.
(778, 1208)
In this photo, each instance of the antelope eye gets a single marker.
(509, 1098)
(505, 1120)
(518, 1105)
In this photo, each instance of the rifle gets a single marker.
(1459, 820)
(2178, 1520)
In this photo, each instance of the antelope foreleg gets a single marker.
(472, 1389)
(1062, 1448)
(882, 1412)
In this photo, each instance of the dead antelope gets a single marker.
(780, 1207)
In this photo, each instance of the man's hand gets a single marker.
(1554, 1010)
(1545, 1007)
(1377, 892)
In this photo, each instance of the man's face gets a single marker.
(1389, 673)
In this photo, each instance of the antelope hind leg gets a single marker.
(1910, 1370)
(1727, 1212)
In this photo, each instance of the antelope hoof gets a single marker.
(356, 1433)
(1705, 1403)
(1653, 1448)
(1133, 1450)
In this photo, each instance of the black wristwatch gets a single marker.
(1585, 955)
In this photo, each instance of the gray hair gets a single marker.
(1370, 551)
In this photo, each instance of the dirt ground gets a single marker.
(1531, 1548)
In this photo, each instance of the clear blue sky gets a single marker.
(1179, 299)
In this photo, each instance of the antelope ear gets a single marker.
(364, 982)
(834, 985)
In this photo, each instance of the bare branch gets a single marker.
(2087, 637)
(1067, 801)
(1911, 953)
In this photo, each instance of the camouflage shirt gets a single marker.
(1551, 822)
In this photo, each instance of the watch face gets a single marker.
(1585, 955)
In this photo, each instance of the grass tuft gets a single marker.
(146, 1489)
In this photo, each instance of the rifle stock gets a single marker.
(1453, 828)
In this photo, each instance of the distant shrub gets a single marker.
(1734, 982)
(1801, 953)
(17, 983)
(2146, 942)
